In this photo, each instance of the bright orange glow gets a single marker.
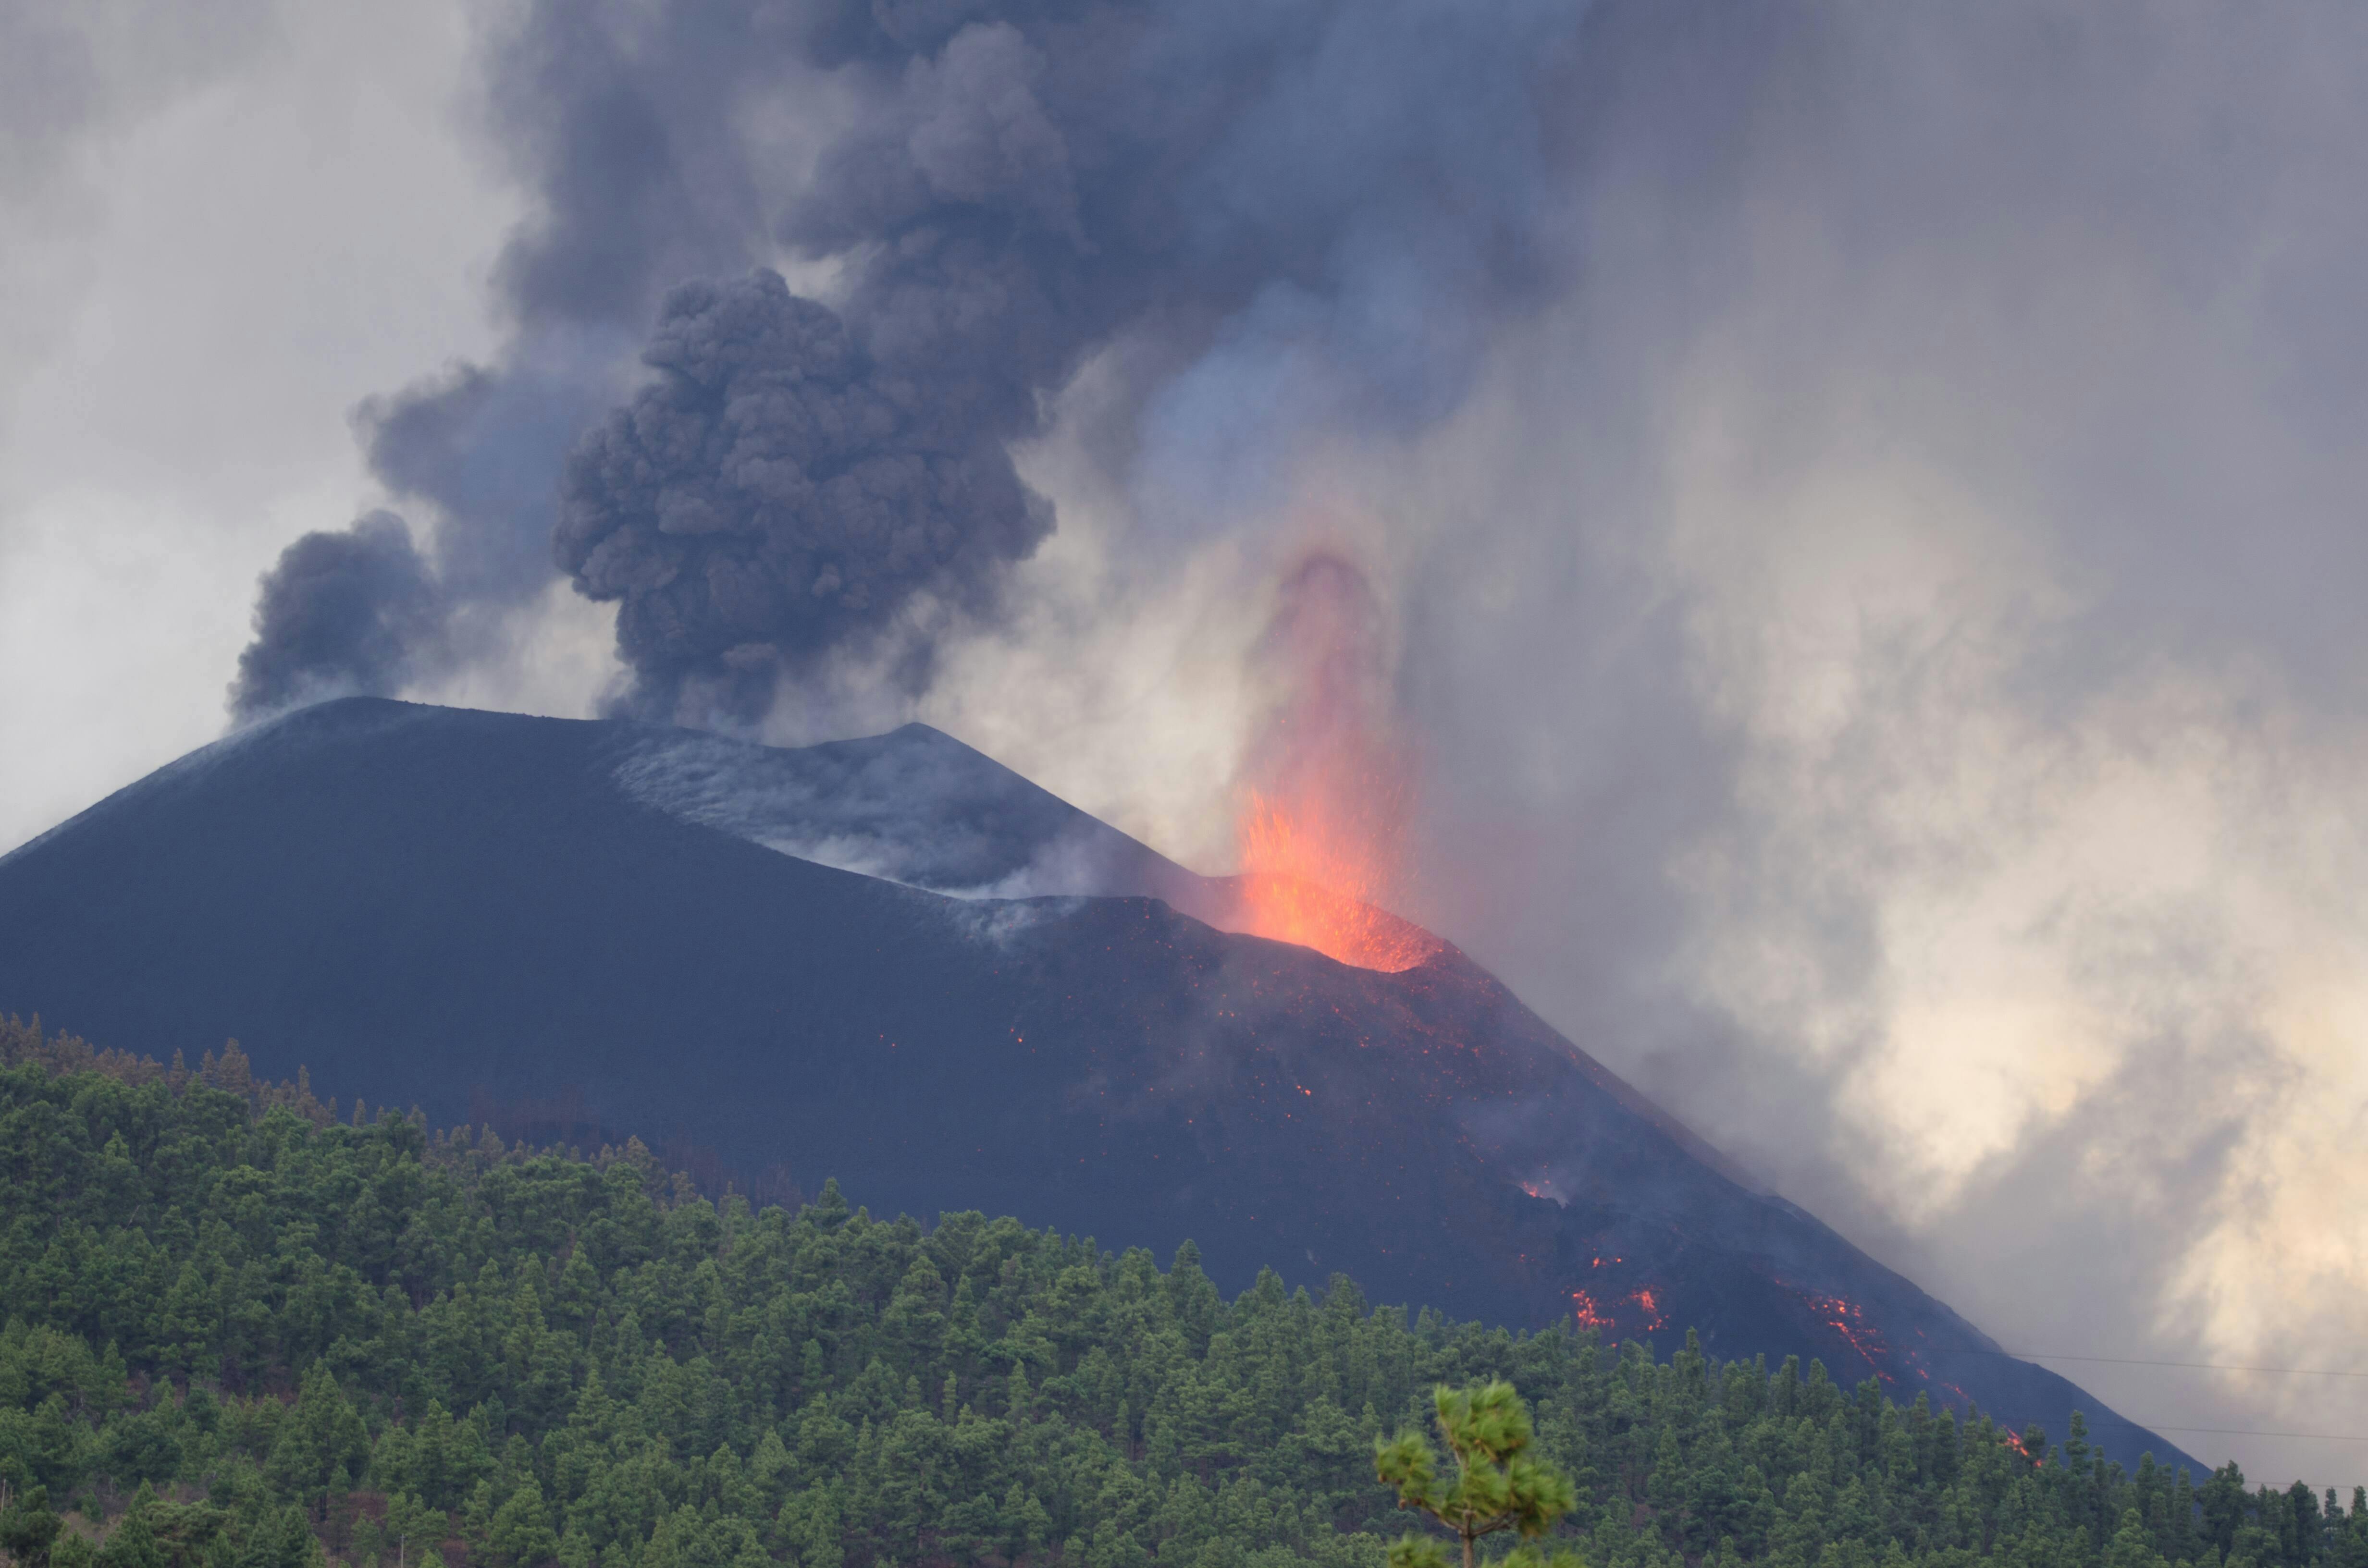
(1307, 881)
(1326, 783)
(1591, 1312)
(1848, 1319)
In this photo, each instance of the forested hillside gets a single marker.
(245, 1329)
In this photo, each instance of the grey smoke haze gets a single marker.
(1255, 201)
(1902, 595)
(341, 614)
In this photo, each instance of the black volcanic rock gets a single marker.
(581, 930)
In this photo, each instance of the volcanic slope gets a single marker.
(578, 930)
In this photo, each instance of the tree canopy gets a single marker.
(240, 1329)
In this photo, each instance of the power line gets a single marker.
(2196, 1366)
(2125, 1362)
(2238, 1432)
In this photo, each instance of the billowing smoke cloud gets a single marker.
(477, 453)
(341, 614)
(1281, 216)
(776, 494)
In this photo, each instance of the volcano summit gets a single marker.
(896, 962)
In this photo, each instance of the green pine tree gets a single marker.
(1498, 1485)
(29, 1528)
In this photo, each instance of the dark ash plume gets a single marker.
(776, 494)
(1277, 219)
(339, 614)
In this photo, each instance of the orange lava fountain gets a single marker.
(1323, 794)
(1305, 881)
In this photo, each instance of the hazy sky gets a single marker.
(1864, 507)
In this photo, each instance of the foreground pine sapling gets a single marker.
(1498, 1484)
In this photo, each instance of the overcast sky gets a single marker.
(1865, 536)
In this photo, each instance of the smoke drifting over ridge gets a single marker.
(341, 613)
(1283, 215)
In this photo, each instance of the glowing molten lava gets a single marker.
(1328, 780)
(1306, 881)
(1848, 1319)
(1591, 1314)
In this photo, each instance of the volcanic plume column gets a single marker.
(1327, 785)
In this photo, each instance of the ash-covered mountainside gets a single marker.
(580, 930)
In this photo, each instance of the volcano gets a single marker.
(896, 962)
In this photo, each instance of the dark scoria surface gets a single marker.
(582, 930)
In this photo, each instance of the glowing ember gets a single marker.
(1848, 1319)
(1641, 1309)
(1308, 879)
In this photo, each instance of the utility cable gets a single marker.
(2232, 1432)
(2125, 1362)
